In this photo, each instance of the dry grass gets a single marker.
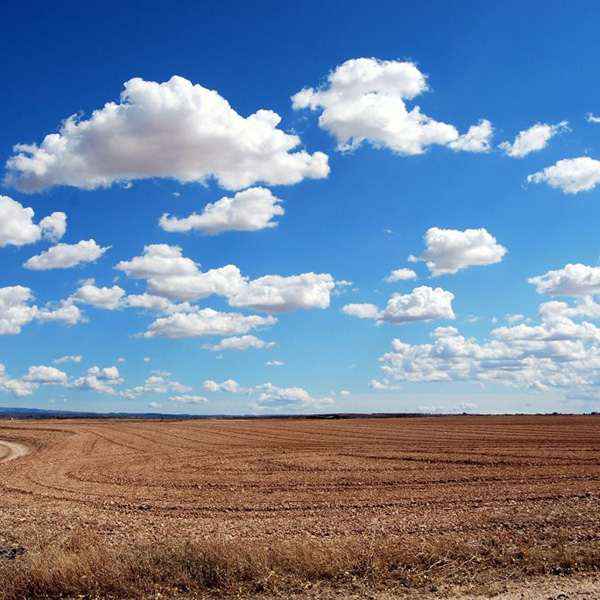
(85, 566)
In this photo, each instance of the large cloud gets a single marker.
(270, 397)
(533, 139)
(171, 275)
(422, 304)
(450, 250)
(250, 210)
(243, 342)
(571, 175)
(205, 321)
(173, 129)
(364, 100)
(99, 297)
(65, 256)
(571, 280)
(558, 353)
(17, 227)
(276, 294)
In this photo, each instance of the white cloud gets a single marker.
(559, 353)
(43, 374)
(571, 280)
(364, 100)
(401, 275)
(591, 118)
(533, 139)
(99, 297)
(17, 227)
(188, 399)
(450, 250)
(103, 380)
(345, 393)
(66, 312)
(65, 256)
(439, 332)
(148, 302)
(383, 385)
(156, 384)
(250, 210)
(173, 129)
(229, 385)
(477, 139)
(240, 343)
(205, 321)
(514, 318)
(171, 275)
(274, 363)
(277, 294)
(76, 358)
(15, 309)
(158, 260)
(571, 175)
(362, 311)
(268, 396)
(422, 304)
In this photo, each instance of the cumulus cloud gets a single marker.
(243, 342)
(533, 139)
(44, 374)
(401, 275)
(250, 210)
(591, 118)
(76, 358)
(17, 310)
(96, 379)
(277, 294)
(362, 311)
(173, 129)
(65, 256)
(450, 250)
(66, 312)
(268, 396)
(17, 227)
(571, 175)
(439, 332)
(99, 297)
(205, 321)
(384, 385)
(274, 363)
(149, 302)
(365, 100)
(422, 304)
(188, 399)
(571, 280)
(156, 384)
(559, 353)
(171, 275)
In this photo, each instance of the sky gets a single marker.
(281, 208)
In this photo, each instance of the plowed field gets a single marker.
(529, 485)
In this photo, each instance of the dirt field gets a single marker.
(366, 505)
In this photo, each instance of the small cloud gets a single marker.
(274, 363)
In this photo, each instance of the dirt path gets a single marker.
(11, 451)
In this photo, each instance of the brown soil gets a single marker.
(431, 502)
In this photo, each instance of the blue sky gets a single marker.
(218, 238)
